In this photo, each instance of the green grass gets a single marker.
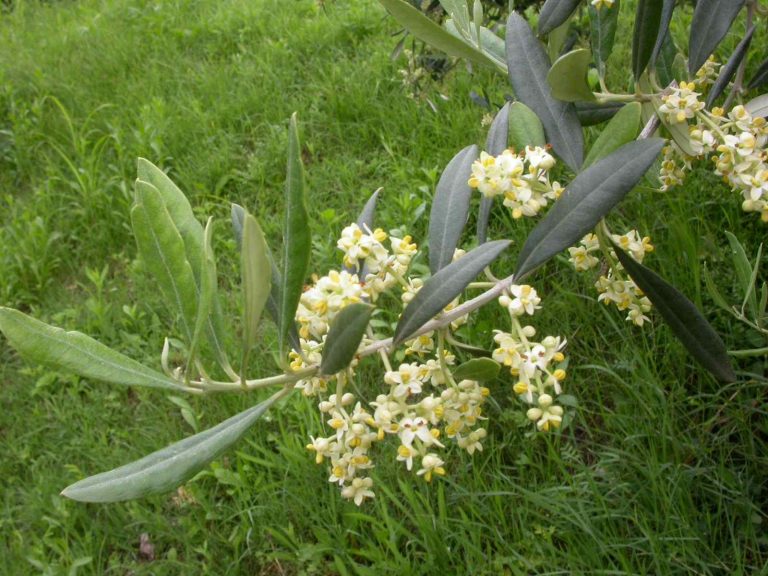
(662, 470)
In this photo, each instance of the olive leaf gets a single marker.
(554, 13)
(589, 197)
(667, 9)
(256, 270)
(568, 76)
(647, 25)
(622, 129)
(344, 336)
(192, 234)
(528, 64)
(591, 113)
(480, 369)
(76, 353)
(686, 321)
(208, 281)
(711, 21)
(525, 128)
(428, 31)
(758, 107)
(166, 469)
(162, 250)
(727, 71)
(440, 290)
(297, 240)
(450, 208)
(602, 32)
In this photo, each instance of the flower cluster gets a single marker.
(735, 140)
(537, 365)
(521, 179)
(613, 286)
(598, 4)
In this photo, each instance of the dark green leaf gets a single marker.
(256, 282)
(667, 9)
(76, 353)
(297, 240)
(428, 31)
(727, 71)
(495, 144)
(711, 21)
(682, 316)
(666, 63)
(591, 113)
(450, 208)
(480, 369)
(622, 128)
(344, 336)
(525, 128)
(647, 24)
(760, 77)
(589, 197)
(166, 469)
(528, 65)
(602, 31)
(568, 77)
(162, 250)
(440, 290)
(554, 13)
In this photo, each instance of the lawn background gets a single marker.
(662, 470)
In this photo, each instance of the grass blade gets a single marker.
(528, 64)
(687, 323)
(440, 290)
(450, 208)
(760, 77)
(711, 21)
(297, 241)
(344, 336)
(76, 353)
(162, 249)
(166, 469)
(589, 197)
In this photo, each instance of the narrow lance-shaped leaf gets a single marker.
(667, 9)
(591, 113)
(450, 208)
(666, 65)
(440, 290)
(76, 353)
(622, 129)
(602, 31)
(495, 144)
(554, 13)
(727, 71)
(166, 469)
(344, 336)
(758, 106)
(430, 32)
(162, 250)
(491, 46)
(208, 281)
(528, 64)
(760, 77)
(256, 283)
(686, 321)
(589, 197)
(647, 24)
(711, 21)
(459, 11)
(568, 77)
(275, 294)
(296, 238)
(480, 369)
(192, 234)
